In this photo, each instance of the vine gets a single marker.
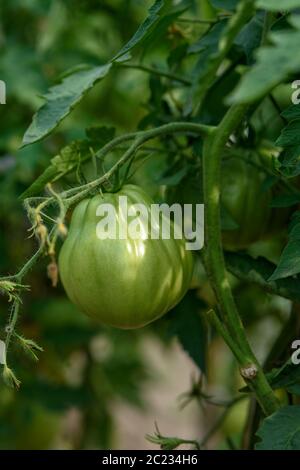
(232, 330)
(36, 207)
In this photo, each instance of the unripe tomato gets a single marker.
(126, 283)
(245, 201)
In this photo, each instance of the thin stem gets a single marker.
(214, 257)
(268, 20)
(12, 323)
(216, 426)
(191, 442)
(213, 150)
(222, 330)
(278, 109)
(199, 21)
(258, 271)
(17, 303)
(159, 73)
(19, 276)
(140, 138)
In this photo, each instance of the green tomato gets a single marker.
(246, 212)
(126, 283)
(245, 201)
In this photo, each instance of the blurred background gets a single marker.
(94, 387)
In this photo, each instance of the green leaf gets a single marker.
(207, 45)
(292, 112)
(173, 176)
(289, 139)
(70, 157)
(266, 74)
(258, 271)
(294, 389)
(187, 324)
(290, 135)
(286, 376)
(207, 48)
(285, 200)
(160, 28)
(10, 378)
(249, 38)
(289, 263)
(290, 161)
(281, 431)
(214, 108)
(295, 232)
(165, 443)
(29, 346)
(60, 100)
(275, 5)
(144, 30)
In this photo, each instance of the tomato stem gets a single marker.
(76, 194)
(158, 72)
(232, 329)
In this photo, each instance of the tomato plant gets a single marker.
(187, 102)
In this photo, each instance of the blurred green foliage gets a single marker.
(38, 42)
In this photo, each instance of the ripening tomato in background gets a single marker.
(246, 213)
(245, 200)
(126, 283)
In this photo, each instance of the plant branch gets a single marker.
(139, 139)
(158, 72)
(258, 271)
(219, 17)
(215, 263)
(268, 20)
(215, 427)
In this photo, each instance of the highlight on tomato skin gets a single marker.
(126, 283)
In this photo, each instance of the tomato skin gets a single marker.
(122, 283)
(246, 202)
